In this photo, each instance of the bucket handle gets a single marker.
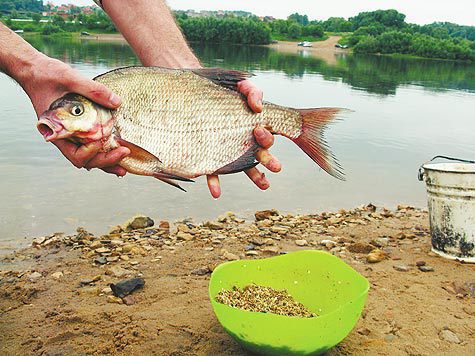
(420, 175)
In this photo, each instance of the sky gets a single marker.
(416, 11)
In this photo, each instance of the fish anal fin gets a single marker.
(224, 77)
(246, 161)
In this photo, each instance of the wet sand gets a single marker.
(55, 299)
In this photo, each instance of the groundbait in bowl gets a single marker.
(323, 283)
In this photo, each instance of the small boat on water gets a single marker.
(304, 44)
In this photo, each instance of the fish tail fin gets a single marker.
(312, 141)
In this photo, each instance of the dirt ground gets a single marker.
(55, 299)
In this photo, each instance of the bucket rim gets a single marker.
(449, 167)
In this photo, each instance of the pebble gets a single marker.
(230, 256)
(117, 271)
(212, 225)
(139, 222)
(401, 268)
(129, 300)
(360, 247)
(426, 268)
(164, 225)
(270, 249)
(449, 336)
(95, 244)
(102, 250)
(376, 256)
(364, 331)
(100, 260)
(249, 247)
(112, 259)
(380, 242)
(184, 236)
(124, 257)
(420, 263)
(252, 253)
(265, 214)
(301, 242)
(113, 299)
(329, 244)
(33, 277)
(106, 290)
(57, 275)
(201, 271)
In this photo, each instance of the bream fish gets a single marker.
(181, 124)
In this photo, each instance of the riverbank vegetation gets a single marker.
(378, 32)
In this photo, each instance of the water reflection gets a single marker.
(373, 74)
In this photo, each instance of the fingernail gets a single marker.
(259, 103)
(259, 132)
(114, 100)
(274, 165)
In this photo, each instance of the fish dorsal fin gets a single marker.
(224, 77)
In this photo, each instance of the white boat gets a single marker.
(304, 44)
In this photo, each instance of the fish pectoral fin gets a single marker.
(137, 152)
(172, 183)
(224, 77)
(246, 161)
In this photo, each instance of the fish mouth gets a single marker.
(51, 130)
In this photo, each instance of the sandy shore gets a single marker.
(322, 49)
(55, 297)
(325, 50)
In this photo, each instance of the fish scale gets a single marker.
(192, 125)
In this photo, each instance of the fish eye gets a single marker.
(77, 110)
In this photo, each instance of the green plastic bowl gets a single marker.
(322, 282)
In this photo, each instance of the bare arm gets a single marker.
(44, 80)
(157, 41)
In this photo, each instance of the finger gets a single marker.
(117, 170)
(258, 178)
(268, 161)
(95, 91)
(214, 186)
(263, 137)
(79, 156)
(108, 159)
(254, 95)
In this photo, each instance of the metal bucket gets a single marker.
(451, 200)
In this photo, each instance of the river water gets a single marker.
(404, 112)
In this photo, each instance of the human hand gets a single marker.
(46, 80)
(263, 138)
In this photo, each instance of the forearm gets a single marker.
(155, 37)
(16, 55)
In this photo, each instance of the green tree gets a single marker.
(387, 18)
(294, 30)
(36, 17)
(300, 19)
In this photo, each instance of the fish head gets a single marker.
(76, 118)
